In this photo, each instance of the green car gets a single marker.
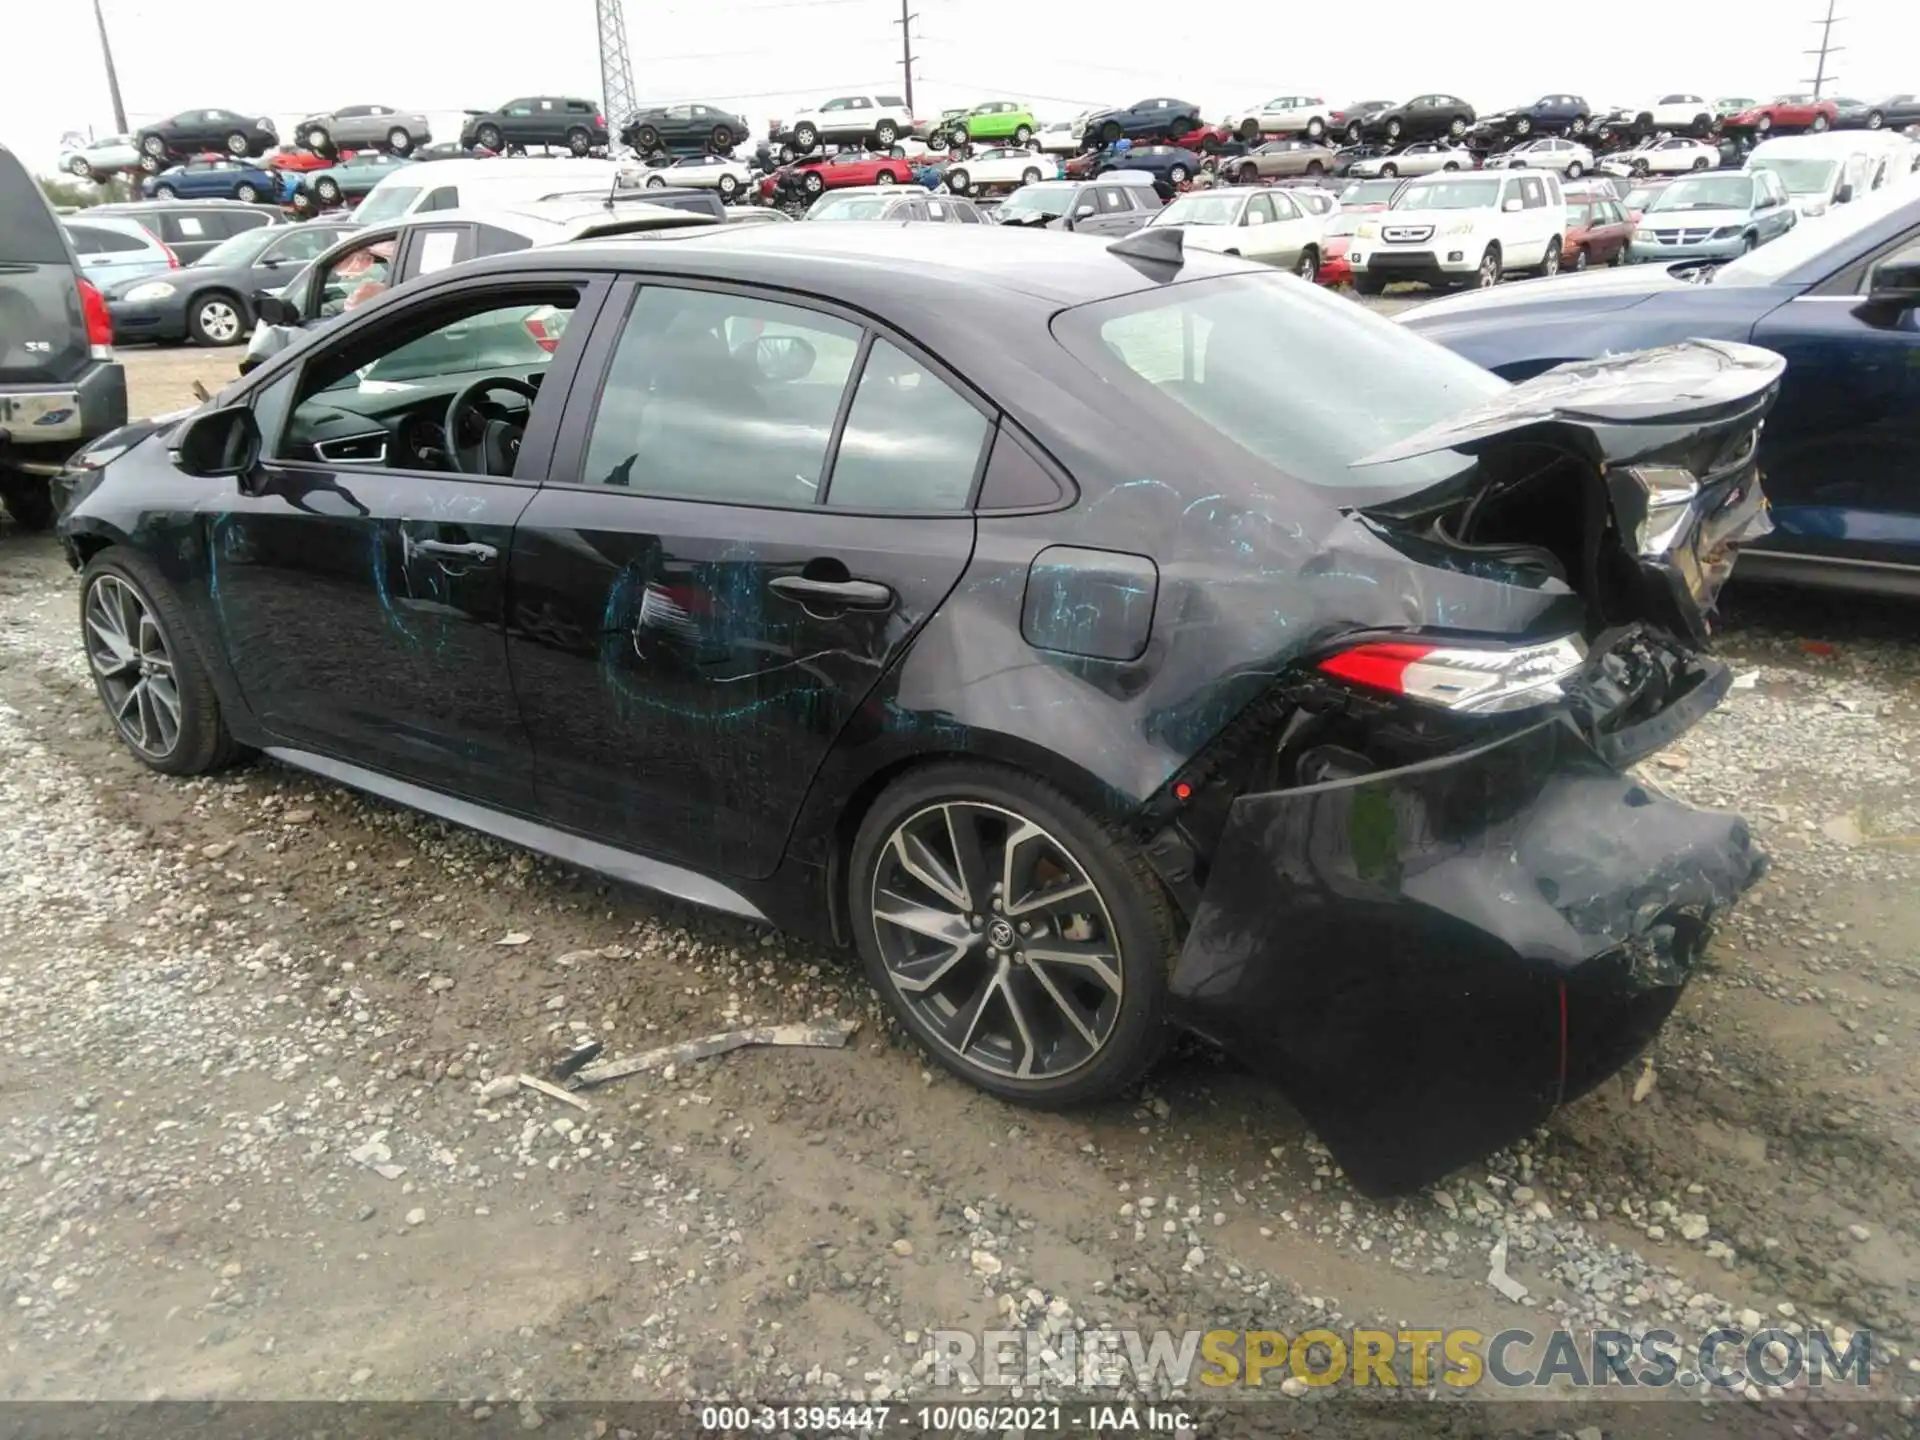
(994, 120)
(349, 181)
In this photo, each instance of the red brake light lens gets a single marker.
(1468, 679)
(93, 306)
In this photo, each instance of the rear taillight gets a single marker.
(173, 260)
(93, 306)
(1469, 679)
(599, 122)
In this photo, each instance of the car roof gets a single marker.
(876, 262)
(176, 207)
(119, 224)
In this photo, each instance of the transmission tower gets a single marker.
(616, 65)
(1827, 47)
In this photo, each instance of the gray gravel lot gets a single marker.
(252, 1142)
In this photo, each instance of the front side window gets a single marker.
(721, 397)
(356, 389)
(911, 441)
(353, 279)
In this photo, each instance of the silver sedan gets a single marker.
(361, 127)
(1569, 157)
(1427, 158)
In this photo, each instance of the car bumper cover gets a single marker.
(148, 320)
(36, 415)
(1430, 959)
(1652, 252)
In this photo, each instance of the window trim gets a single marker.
(567, 464)
(540, 442)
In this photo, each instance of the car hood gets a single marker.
(1692, 219)
(1592, 290)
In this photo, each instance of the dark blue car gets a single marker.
(1155, 118)
(215, 177)
(1167, 164)
(1838, 299)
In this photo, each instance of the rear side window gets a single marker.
(110, 242)
(29, 234)
(911, 441)
(234, 222)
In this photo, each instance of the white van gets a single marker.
(1829, 169)
(465, 183)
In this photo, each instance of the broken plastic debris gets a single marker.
(1497, 1276)
(827, 1035)
(514, 937)
(570, 1062)
(1745, 680)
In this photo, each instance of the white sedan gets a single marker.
(100, 158)
(1569, 157)
(1254, 221)
(1427, 158)
(1672, 156)
(1282, 115)
(1003, 165)
(1060, 137)
(711, 172)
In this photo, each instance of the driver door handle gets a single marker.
(837, 594)
(474, 551)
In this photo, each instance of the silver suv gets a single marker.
(60, 386)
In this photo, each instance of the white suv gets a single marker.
(850, 120)
(1462, 230)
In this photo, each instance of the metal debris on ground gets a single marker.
(567, 1064)
(827, 1035)
(534, 1082)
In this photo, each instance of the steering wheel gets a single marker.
(493, 450)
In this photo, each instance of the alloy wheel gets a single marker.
(219, 321)
(997, 939)
(1489, 274)
(133, 667)
(1309, 266)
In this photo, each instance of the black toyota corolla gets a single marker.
(1101, 639)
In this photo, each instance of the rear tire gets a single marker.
(165, 192)
(1083, 1031)
(201, 741)
(28, 499)
(958, 181)
(886, 132)
(579, 141)
(328, 190)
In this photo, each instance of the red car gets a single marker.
(817, 175)
(1357, 198)
(1205, 140)
(1597, 233)
(291, 157)
(1785, 112)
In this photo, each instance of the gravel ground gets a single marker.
(254, 1139)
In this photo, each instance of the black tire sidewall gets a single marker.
(1141, 915)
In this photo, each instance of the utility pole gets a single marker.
(905, 22)
(616, 65)
(1827, 47)
(113, 76)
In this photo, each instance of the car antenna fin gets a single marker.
(1160, 244)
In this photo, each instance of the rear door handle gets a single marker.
(833, 594)
(474, 552)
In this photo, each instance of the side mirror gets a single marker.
(1082, 212)
(1893, 288)
(1513, 205)
(219, 444)
(272, 310)
(784, 357)
(1843, 194)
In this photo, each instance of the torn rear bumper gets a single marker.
(1430, 959)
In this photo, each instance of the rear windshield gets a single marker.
(29, 234)
(1306, 381)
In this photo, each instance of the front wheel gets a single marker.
(722, 139)
(399, 141)
(1876, 119)
(1523, 126)
(1023, 136)
(149, 677)
(1488, 275)
(1177, 174)
(165, 192)
(1017, 939)
(1365, 284)
(1029, 176)
(1316, 127)
(957, 181)
(805, 137)
(886, 132)
(1389, 170)
(1701, 163)
(153, 145)
(1581, 258)
(236, 144)
(961, 136)
(328, 190)
(1575, 170)
(489, 137)
(1309, 267)
(319, 141)
(80, 167)
(245, 192)
(216, 320)
(729, 187)
(1314, 167)
(813, 184)
(1819, 124)
(1550, 262)
(1763, 124)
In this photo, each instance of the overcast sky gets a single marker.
(765, 57)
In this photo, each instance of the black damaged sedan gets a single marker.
(1100, 639)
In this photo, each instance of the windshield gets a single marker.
(1207, 348)
(1715, 192)
(1801, 177)
(852, 207)
(1369, 192)
(242, 248)
(1641, 196)
(1833, 241)
(1035, 201)
(386, 202)
(1448, 195)
(1200, 210)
